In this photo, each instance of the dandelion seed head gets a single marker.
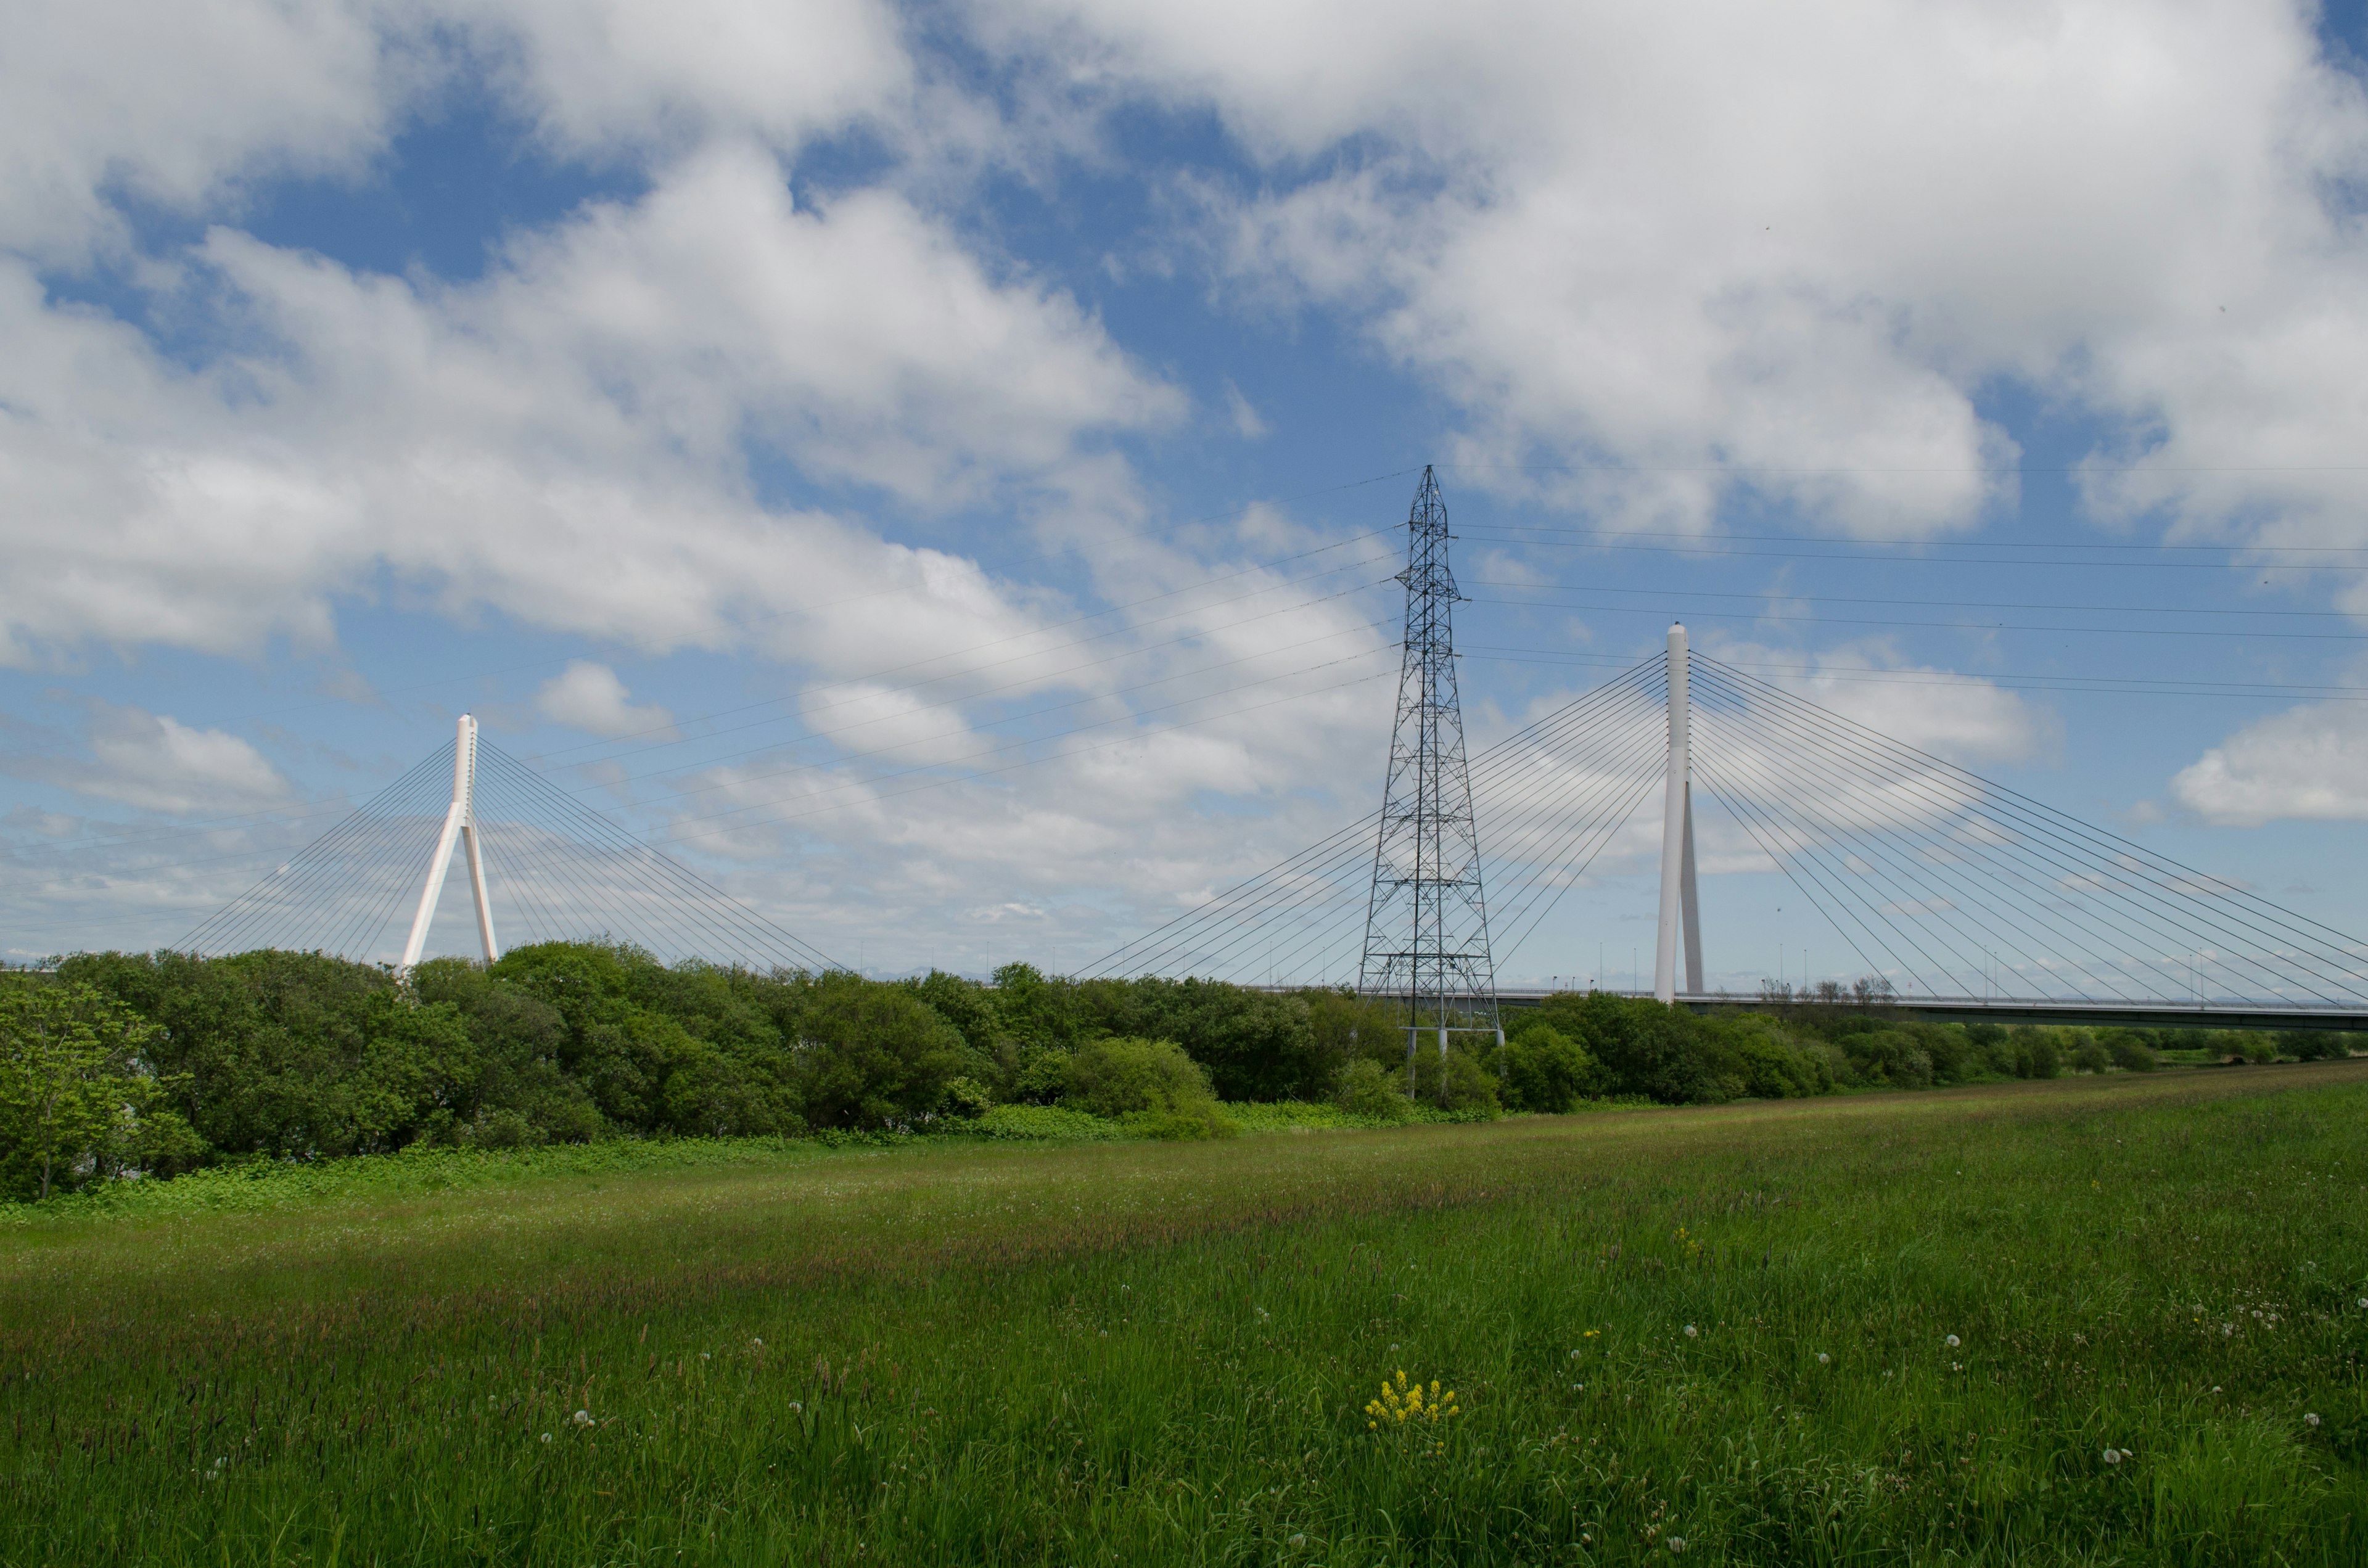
(1824, 1359)
(2310, 1420)
(1952, 1342)
(1692, 1332)
(2113, 1456)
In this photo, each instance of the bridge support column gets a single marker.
(459, 824)
(1680, 925)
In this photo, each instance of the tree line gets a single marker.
(117, 1065)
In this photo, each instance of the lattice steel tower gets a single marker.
(1426, 924)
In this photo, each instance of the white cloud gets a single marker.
(1248, 423)
(171, 105)
(614, 75)
(2310, 762)
(591, 698)
(1961, 719)
(155, 762)
(564, 442)
(1797, 243)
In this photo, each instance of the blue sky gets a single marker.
(758, 415)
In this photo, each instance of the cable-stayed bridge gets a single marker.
(1959, 895)
(1955, 895)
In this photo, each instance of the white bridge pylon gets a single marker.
(460, 823)
(1680, 915)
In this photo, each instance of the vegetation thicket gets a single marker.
(2114, 1318)
(155, 1063)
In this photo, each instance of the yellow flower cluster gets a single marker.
(1690, 1245)
(1402, 1402)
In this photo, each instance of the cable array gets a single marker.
(557, 870)
(1547, 799)
(1946, 884)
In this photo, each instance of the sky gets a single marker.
(936, 469)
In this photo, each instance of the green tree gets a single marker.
(875, 1055)
(1541, 1069)
(77, 1101)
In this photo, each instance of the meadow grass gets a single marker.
(1728, 1328)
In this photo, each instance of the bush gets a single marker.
(1124, 1077)
(1453, 1082)
(875, 1055)
(2129, 1053)
(2314, 1045)
(1542, 1070)
(2089, 1056)
(967, 1099)
(1366, 1089)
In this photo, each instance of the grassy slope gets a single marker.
(1139, 1353)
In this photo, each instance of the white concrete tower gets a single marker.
(1680, 920)
(460, 823)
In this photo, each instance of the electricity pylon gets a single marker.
(1426, 921)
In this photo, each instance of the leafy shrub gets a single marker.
(875, 1055)
(2129, 1053)
(1542, 1070)
(2314, 1045)
(1455, 1082)
(1367, 1091)
(967, 1098)
(1126, 1076)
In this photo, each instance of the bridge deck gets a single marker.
(2035, 1010)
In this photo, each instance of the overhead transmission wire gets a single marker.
(1087, 640)
(945, 703)
(2040, 853)
(1515, 818)
(2095, 854)
(319, 808)
(1923, 625)
(1511, 811)
(1212, 933)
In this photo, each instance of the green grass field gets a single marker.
(1724, 1334)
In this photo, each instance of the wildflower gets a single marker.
(1677, 1544)
(546, 1437)
(582, 1418)
(2113, 1456)
(1951, 1342)
(756, 1345)
(1692, 1332)
(1590, 1333)
(1401, 1402)
(2310, 1420)
(1824, 1359)
(2364, 1300)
